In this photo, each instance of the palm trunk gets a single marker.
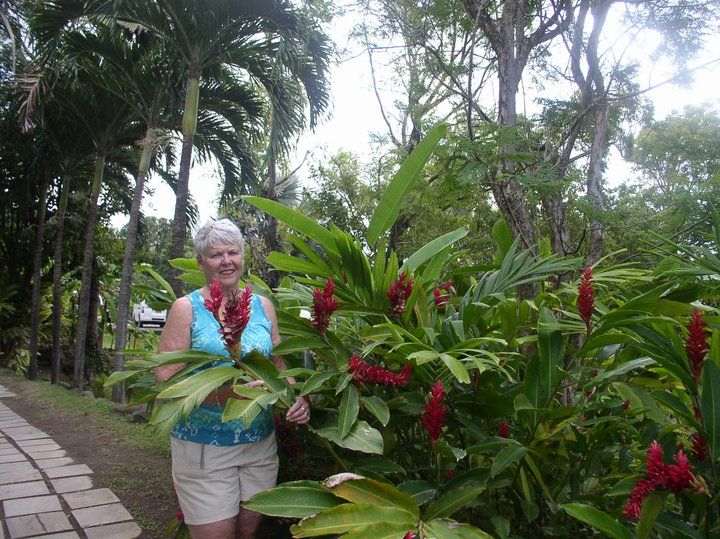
(57, 281)
(271, 233)
(84, 303)
(189, 127)
(596, 166)
(92, 343)
(37, 263)
(123, 304)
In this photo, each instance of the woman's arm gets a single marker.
(175, 336)
(299, 412)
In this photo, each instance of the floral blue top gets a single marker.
(204, 425)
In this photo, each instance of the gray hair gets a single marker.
(214, 233)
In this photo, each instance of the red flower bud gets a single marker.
(586, 298)
(364, 372)
(433, 418)
(675, 477)
(236, 317)
(503, 429)
(213, 304)
(399, 293)
(696, 345)
(324, 304)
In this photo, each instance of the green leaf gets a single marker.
(377, 407)
(295, 220)
(361, 490)
(199, 385)
(119, 376)
(452, 501)
(247, 409)
(597, 519)
(541, 375)
(377, 465)
(507, 456)
(184, 264)
(388, 207)
(298, 499)
(297, 344)
(315, 381)
(421, 491)
(443, 528)
(430, 249)
(710, 407)
(456, 367)
(651, 509)
(362, 437)
(348, 411)
(261, 368)
(351, 517)
(503, 239)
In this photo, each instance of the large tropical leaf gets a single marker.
(362, 437)
(429, 250)
(388, 208)
(358, 489)
(710, 406)
(351, 516)
(597, 519)
(452, 501)
(298, 499)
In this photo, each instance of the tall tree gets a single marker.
(276, 46)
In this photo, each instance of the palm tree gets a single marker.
(108, 123)
(275, 46)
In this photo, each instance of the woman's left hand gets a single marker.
(299, 412)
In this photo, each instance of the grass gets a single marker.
(51, 399)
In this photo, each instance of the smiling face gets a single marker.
(222, 262)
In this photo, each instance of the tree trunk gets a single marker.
(556, 217)
(123, 303)
(57, 282)
(598, 151)
(189, 127)
(37, 266)
(84, 303)
(91, 340)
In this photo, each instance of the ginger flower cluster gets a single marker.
(586, 298)
(399, 293)
(441, 294)
(364, 372)
(433, 419)
(696, 345)
(324, 304)
(236, 315)
(675, 477)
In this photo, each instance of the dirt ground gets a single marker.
(142, 481)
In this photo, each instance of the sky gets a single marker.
(355, 114)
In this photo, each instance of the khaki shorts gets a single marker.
(211, 481)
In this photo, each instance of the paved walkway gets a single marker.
(44, 493)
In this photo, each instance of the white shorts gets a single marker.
(211, 481)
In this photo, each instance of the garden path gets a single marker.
(45, 493)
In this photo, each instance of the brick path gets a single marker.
(44, 493)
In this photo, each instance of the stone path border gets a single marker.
(43, 493)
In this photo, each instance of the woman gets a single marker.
(217, 465)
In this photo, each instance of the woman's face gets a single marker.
(222, 262)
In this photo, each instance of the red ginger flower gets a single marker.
(586, 298)
(696, 345)
(324, 304)
(658, 476)
(434, 417)
(410, 535)
(441, 294)
(399, 293)
(364, 372)
(213, 304)
(237, 315)
(503, 429)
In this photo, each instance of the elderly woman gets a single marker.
(217, 465)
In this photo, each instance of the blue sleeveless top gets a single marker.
(204, 424)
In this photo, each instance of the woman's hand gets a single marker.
(299, 412)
